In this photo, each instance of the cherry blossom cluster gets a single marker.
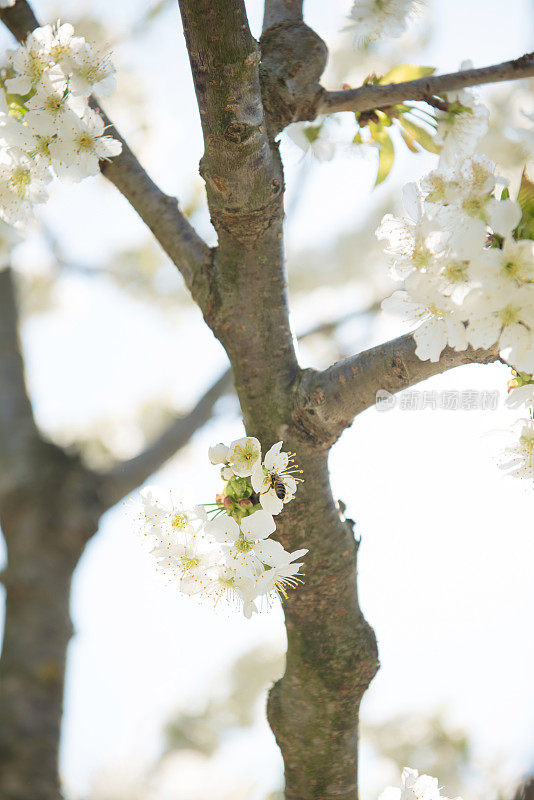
(468, 275)
(46, 123)
(223, 550)
(414, 787)
(381, 19)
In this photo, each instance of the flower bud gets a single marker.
(218, 453)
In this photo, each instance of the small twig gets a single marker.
(372, 96)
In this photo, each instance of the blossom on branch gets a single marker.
(225, 553)
(381, 19)
(414, 787)
(48, 124)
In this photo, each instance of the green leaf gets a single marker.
(505, 194)
(420, 135)
(358, 139)
(376, 130)
(386, 157)
(384, 118)
(406, 72)
(525, 198)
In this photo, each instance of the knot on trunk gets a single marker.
(293, 58)
(310, 413)
(246, 227)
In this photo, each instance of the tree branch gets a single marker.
(157, 210)
(18, 431)
(127, 476)
(329, 400)
(244, 186)
(243, 182)
(368, 97)
(281, 11)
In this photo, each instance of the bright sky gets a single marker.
(447, 551)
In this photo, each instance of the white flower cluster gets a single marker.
(46, 121)
(461, 127)
(225, 552)
(414, 787)
(381, 19)
(468, 279)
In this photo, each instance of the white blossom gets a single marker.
(507, 266)
(231, 557)
(274, 480)
(412, 241)
(23, 183)
(461, 128)
(246, 541)
(441, 322)
(414, 787)
(504, 313)
(243, 455)
(504, 216)
(58, 70)
(521, 396)
(218, 453)
(80, 146)
(380, 19)
(52, 108)
(520, 463)
(312, 137)
(92, 70)
(30, 61)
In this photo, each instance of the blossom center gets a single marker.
(242, 545)
(179, 521)
(20, 180)
(85, 142)
(456, 272)
(246, 454)
(509, 315)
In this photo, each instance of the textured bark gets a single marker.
(367, 97)
(277, 11)
(293, 58)
(332, 654)
(18, 433)
(49, 508)
(331, 649)
(46, 523)
(328, 401)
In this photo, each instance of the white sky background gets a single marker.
(447, 553)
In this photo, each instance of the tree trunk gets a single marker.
(332, 654)
(45, 527)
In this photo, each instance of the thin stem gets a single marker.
(368, 97)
